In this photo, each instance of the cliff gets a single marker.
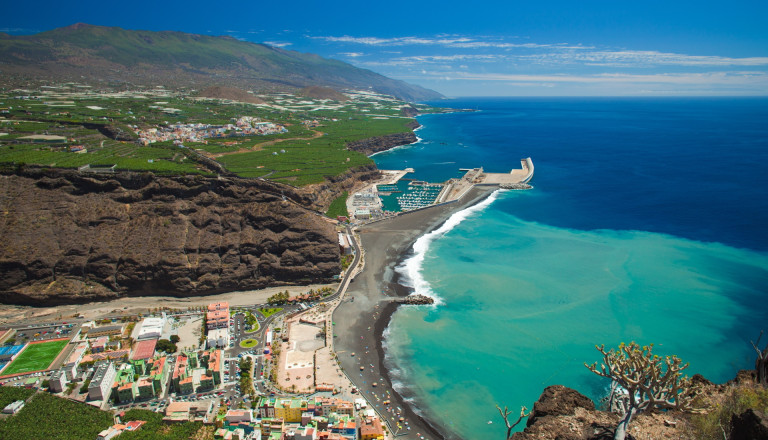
(381, 143)
(735, 410)
(72, 238)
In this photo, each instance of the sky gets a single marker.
(477, 48)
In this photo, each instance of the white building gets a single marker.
(58, 381)
(151, 328)
(101, 384)
(239, 415)
(14, 407)
(218, 338)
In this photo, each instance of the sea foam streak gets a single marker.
(418, 140)
(411, 267)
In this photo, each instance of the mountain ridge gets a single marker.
(112, 54)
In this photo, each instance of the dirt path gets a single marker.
(260, 146)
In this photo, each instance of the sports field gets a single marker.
(36, 357)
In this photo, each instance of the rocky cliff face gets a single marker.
(70, 238)
(381, 143)
(322, 194)
(565, 414)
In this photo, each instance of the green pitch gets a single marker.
(36, 357)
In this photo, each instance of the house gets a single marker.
(371, 429)
(108, 330)
(188, 411)
(239, 415)
(98, 345)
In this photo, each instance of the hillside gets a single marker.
(73, 238)
(114, 55)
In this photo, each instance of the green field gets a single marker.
(338, 206)
(312, 150)
(36, 357)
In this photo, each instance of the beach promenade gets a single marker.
(363, 315)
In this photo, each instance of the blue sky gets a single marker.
(481, 48)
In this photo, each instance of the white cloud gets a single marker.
(277, 43)
(452, 41)
(708, 78)
(630, 58)
(352, 54)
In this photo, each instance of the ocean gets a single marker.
(647, 223)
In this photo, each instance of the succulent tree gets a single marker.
(650, 381)
(505, 415)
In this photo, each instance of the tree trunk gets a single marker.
(623, 426)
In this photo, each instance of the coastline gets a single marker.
(363, 316)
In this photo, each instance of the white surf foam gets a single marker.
(418, 140)
(411, 268)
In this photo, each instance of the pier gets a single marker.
(391, 195)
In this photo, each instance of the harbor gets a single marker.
(395, 193)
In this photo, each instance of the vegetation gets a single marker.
(338, 206)
(279, 298)
(155, 429)
(175, 339)
(267, 312)
(646, 381)
(346, 260)
(251, 323)
(166, 346)
(84, 387)
(715, 424)
(36, 357)
(9, 395)
(47, 417)
(313, 148)
(510, 425)
(248, 343)
(246, 382)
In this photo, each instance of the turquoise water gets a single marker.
(530, 281)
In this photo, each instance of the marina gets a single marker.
(394, 193)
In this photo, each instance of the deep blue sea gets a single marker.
(648, 221)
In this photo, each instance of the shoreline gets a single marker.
(365, 313)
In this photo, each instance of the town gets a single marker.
(243, 126)
(218, 365)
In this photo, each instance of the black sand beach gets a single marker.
(364, 315)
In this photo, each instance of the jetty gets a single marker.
(516, 179)
(368, 205)
(415, 300)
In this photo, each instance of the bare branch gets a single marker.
(650, 380)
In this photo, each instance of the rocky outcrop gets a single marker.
(71, 238)
(409, 111)
(381, 143)
(565, 414)
(415, 300)
(749, 425)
